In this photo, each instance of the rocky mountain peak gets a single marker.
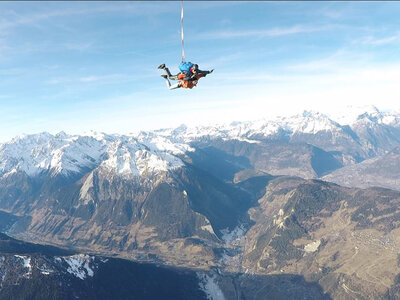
(70, 154)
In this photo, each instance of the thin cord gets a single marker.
(182, 36)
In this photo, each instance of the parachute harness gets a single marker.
(182, 36)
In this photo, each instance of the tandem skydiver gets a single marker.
(187, 77)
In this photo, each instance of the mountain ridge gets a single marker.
(370, 135)
(245, 199)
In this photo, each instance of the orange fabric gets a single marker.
(189, 84)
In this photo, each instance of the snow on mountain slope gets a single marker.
(67, 154)
(127, 156)
(61, 153)
(308, 122)
(159, 150)
(353, 114)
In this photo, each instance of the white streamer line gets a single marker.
(182, 35)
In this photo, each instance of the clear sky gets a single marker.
(80, 66)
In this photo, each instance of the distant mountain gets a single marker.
(369, 134)
(273, 157)
(372, 133)
(382, 171)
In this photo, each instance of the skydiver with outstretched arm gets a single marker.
(186, 79)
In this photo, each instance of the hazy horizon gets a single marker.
(82, 66)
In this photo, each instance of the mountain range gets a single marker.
(244, 204)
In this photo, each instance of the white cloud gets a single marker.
(103, 79)
(371, 40)
(270, 32)
(10, 18)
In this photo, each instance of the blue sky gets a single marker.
(80, 66)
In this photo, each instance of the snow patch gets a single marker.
(230, 236)
(240, 139)
(26, 261)
(210, 287)
(79, 265)
(45, 270)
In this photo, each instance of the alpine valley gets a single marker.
(301, 207)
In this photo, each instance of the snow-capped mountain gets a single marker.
(176, 195)
(308, 122)
(41, 152)
(370, 134)
(351, 114)
(71, 154)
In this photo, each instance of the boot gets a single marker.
(162, 66)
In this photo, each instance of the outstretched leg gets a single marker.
(171, 87)
(167, 72)
(163, 67)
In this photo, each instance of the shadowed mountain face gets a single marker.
(30, 271)
(186, 211)
(383, 171)
(276, 158)
(6, 221)
(51, 273)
